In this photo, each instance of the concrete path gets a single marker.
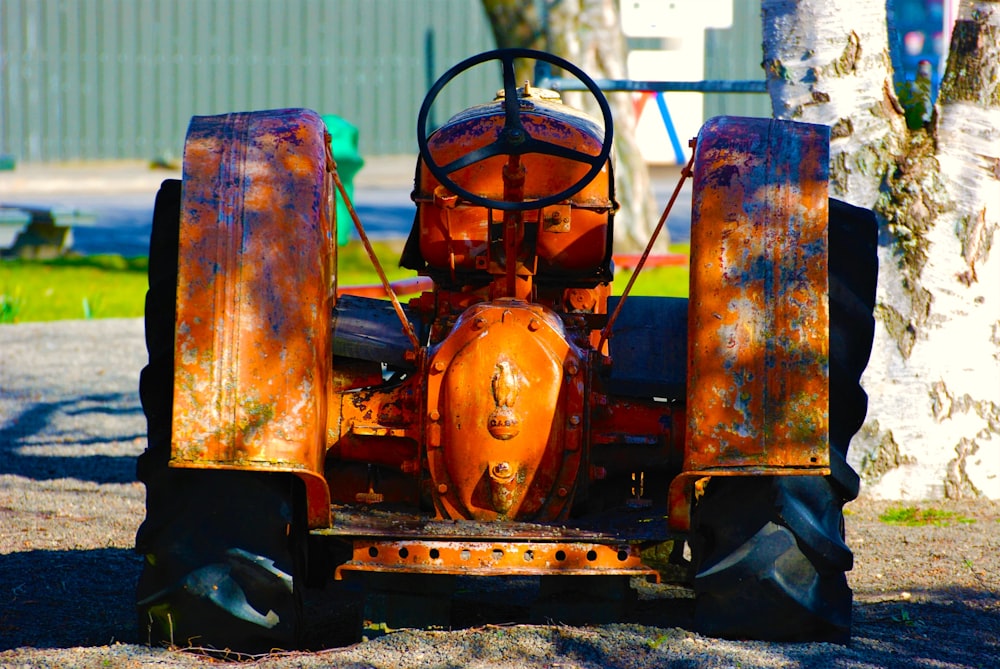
(110, 204)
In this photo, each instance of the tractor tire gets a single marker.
(768, 553)
(222, 549)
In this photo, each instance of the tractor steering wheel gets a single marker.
(513, 138)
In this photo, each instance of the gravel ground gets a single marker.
(71, 426)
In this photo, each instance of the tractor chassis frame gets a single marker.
(394, 542)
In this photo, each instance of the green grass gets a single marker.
(669, 281)
(110, 286)
(355, 268)
(912, 516)
(72, 288)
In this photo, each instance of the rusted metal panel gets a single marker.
(758, 325)
(758, 322)
(505, 414)
(378, 425)
(254, 295)
(497, 558)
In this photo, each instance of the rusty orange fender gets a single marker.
(255, 289)
(758, 323)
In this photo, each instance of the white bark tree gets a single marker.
(933, 425)
(828, 62)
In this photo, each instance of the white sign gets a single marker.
(673, 18)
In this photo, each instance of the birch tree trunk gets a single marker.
(516, 24)
(933, 425)
(936, 384)
(827, 62)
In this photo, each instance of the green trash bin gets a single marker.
(344, 143)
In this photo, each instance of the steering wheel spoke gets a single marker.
(473, 157)
(533, 145)
(512, 111)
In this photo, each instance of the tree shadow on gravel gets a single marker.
(63, 599)
(957, 626)
(947, 627)
(950, 626)
(40, 426)
(954, 627)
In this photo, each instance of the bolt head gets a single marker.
(502, 471)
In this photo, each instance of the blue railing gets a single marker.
(657, 87)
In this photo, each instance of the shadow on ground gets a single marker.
(63, 599)
(61, 439)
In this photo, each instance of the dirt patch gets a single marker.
(927, 594)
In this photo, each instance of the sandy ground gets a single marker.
(71, 426)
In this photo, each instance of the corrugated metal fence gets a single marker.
(735, 53)
(106, 79)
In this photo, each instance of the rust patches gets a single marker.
(254, 295)
(758, 323)
(495, 359)
(758, 316)
(251, 416)
(494, 558)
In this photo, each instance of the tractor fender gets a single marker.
(758, 312)
(255, 290)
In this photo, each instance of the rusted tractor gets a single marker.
(515, 418)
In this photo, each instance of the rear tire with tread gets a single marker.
(223, 549)
(768, 553)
